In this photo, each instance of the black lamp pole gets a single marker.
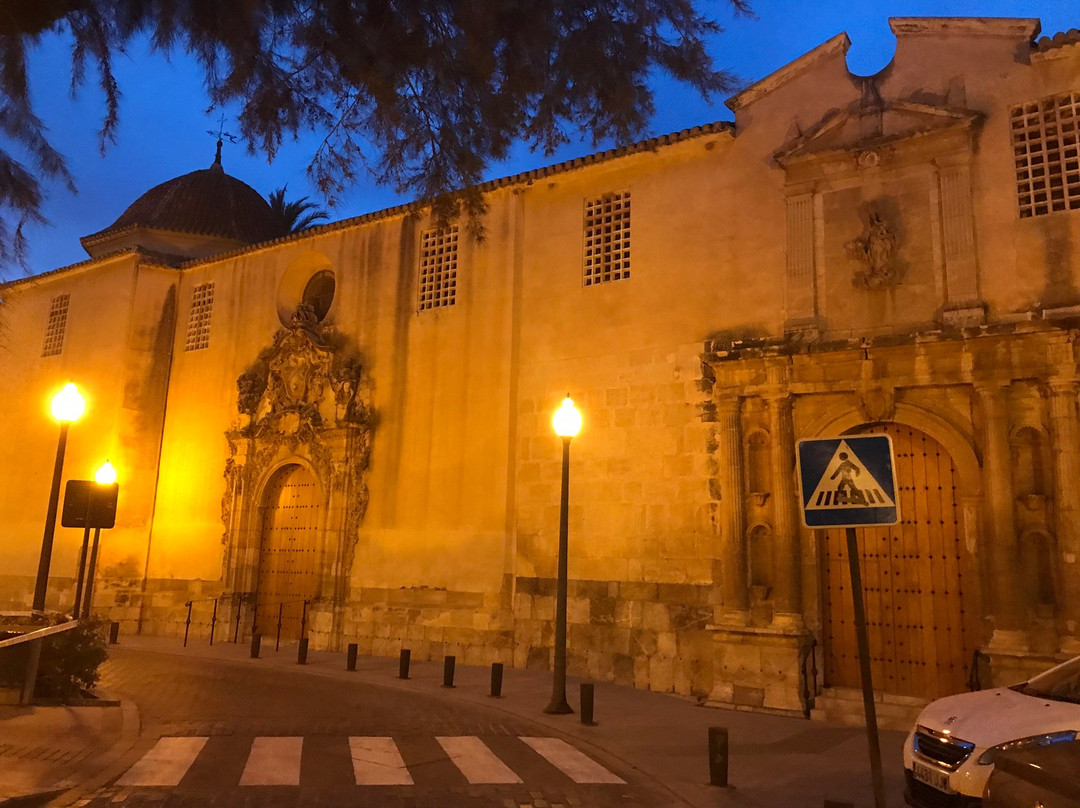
(42, 584)
(558, 705)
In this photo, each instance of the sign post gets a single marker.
(850, 482)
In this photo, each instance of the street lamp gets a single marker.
(567, 422)
(67, 406)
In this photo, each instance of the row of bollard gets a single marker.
(718, 736)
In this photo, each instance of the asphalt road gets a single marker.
(224, 734)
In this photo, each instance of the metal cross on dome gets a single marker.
(221, 136)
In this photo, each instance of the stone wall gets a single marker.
(633, 633)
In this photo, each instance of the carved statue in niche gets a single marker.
(875, 250)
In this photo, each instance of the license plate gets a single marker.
(932, 777)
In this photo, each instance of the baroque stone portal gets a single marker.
(302, 400)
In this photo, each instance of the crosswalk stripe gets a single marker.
(377, 762)
(273, 762)
(478, 763)
(575, 764)
(165, 764)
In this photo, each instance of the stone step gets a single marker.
(837, 705)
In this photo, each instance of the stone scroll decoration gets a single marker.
(306, 395)
(875, 250)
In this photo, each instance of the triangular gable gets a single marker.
(862, 125)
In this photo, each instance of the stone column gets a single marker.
(1066, 451)
(732, 511)
(786, 596)
(1003, 559)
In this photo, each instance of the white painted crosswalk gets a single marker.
(376, 761)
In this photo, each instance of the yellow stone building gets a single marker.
(358, 416)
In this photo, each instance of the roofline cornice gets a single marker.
(1024, 28)
(524, 178)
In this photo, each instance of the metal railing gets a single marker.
(36, 638)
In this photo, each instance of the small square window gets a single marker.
(56, 326)
(438, 268)
(202, 307)
(1045, 142)
(607, 238)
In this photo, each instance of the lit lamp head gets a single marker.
(567, 420)
(106, 475)
(68, 405)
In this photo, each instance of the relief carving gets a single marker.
(305, 396)
(875, 249)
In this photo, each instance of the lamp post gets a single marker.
(567, 422)
(67, 406)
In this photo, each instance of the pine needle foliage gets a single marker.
(425, 94)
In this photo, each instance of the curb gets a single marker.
(112, 762)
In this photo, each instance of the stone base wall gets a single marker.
(652, 636)
(764, 669)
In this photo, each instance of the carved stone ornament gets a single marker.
(875, 250)
(303, 396)
(878, 404)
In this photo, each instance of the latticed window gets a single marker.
(202, 307)
(1046, 150)
(438, 267)
(607, 238)
(56, 326)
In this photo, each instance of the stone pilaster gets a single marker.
(736, 602)
(1003, 561)
(786, 597)
(1066, 451)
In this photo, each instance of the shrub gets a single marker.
(70, 661)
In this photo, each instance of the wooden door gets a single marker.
(289, 554)
(917, 579)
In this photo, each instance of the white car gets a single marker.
(950, 753)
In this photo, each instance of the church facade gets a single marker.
(346, 433)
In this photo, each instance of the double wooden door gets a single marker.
(289, 556)
(918, 581)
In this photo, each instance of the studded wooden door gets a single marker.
(289, 555)
(917, 581)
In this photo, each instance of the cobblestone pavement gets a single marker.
(232, 705)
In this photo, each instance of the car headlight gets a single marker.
(991, 754)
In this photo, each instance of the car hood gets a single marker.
(989, 717)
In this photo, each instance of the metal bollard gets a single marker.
(114, 633)
(448, 671)
(403, 664)
(301, 652)
(718, 756)
(187, 623)
(350, 658)
(213, 621)
(496, 679)
(256, 643)
(587, 704)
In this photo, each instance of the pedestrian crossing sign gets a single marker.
(847, 481)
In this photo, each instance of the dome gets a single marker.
(193, 215)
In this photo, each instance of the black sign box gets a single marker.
(89, 504)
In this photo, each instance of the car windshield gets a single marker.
(1061, 683)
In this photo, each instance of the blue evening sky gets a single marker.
(164, 118)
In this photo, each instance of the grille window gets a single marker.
(56, 326)
(202, 307)
(607, 238)
(438, 268)
(1045, 152)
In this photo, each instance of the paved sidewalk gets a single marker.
(45, 751)
(775, 761)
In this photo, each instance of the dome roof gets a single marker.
(207, 203)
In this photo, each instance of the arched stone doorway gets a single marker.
(919, 582)
(290, 557)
